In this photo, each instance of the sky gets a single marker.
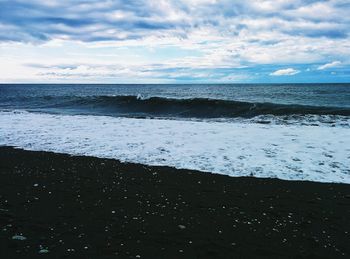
(174, 41)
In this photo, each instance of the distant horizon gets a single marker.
(297, 83)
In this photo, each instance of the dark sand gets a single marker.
(83, 207)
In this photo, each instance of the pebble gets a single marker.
(19, 237)
(181, 226)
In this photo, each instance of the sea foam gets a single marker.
(292, 152)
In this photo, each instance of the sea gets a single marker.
(285, 131)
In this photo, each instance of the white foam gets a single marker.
(291, 152)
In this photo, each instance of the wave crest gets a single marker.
(175, 108)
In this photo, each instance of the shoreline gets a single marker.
(86, 207)
(288, 152)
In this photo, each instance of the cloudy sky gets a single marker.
(174, 41)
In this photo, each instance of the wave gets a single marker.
(138, 106)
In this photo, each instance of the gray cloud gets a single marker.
(80, 20)
(106, 20)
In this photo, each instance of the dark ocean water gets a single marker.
(176, 101)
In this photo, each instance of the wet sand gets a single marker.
(59, 206)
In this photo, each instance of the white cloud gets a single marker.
(329, 65)
(285, 72)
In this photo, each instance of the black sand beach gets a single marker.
(84, 207)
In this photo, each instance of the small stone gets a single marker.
(19, 237)
(43, 251)
(181, 226)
